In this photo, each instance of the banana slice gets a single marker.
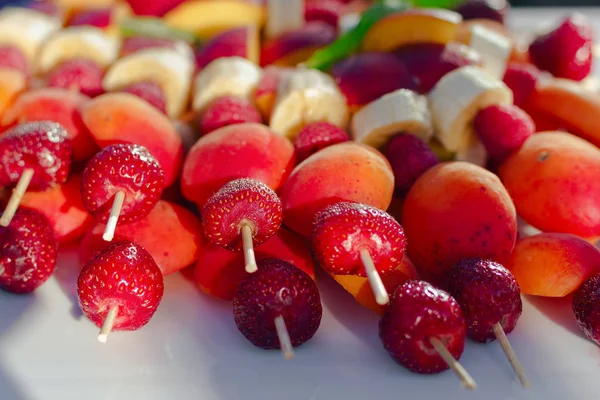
(284, 16)
(399, 111)
(493, 47)
(475, 153)
(78, 42)
(169, 68)
(26, 29)
(456, 99)
(234, 76)
(306, 96)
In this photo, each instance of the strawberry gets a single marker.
(342, 230)
(149, 91)
(418, 312)
(328, 11)
(99, 18)
(13, 58)
(227, 110)
(316, 136)
(521, 78)
(586, 306)
(155, 8)
(28, 252)
(277, 289)
(41, 146)
(134, 44)
(78, 74)
(123, 277)
(488, 294)
(126, 168)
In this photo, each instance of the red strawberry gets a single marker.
(503, 129)
(149, 91)
(328, 11)
(230, 43)
(586, 306)
(277, 289)
(418, 312)
(488, 294)
(565, 52)
(228, 110)
(136, 43)
(99, 18)
(316, 136)
(496, 10)
(342, 230)
(13, 58)
(521, 78)
(155, 8)
(123, 278)
(79, 74)
(41, 146)
(28, 251)
(409, 157)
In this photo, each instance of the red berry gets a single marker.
(155, 8)
(488, 294)
(503, 129)
(496, 10)
(328, 11)
(277, 289)
(565, 52)
(126, 168)
(42, 146)
(13, 58)
(228, 110)
(316, 136)
(342, 230)
(417, 312)
(78, 74)
(521, 78)
(123, 275)
(136, 43)
(241, 202)
(586, 306)
(99, 18)
(149, 91)
(409, 157)
(28, 252)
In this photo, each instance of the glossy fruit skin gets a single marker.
(123, 275)
(586, 306)
(521, 78)
(241, 201)
(42, 146)
(488, 294)
(28, 245)
(149, 91)
(227, 110)
(342, 230)
(80, 74)
(316, 136)
(418, 311)
(122, 167)
(277, 288)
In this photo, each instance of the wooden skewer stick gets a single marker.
(108, 324)
(248, 248)
(16, 196)
(111, 225)
(511, 355)
(381, 294)
(465, 378)
(284, 338)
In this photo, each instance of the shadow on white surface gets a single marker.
(66, 274)
(559, 310)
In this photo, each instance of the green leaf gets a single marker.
(451, 4)
(349, 42)
(153, 27)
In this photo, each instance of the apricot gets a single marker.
(240, 42)
(12, 82)
(218, 272)
(554, 181)
(246, 150)
(457, 210)
(170, 233)
(342, 172)
(59, 105)
(553, 264)
(125, 118)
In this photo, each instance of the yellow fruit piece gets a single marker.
(12, 82)
(208, 18)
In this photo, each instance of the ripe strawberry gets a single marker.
(155, 8)
(521, 78)
(488, 294)
(316, 136)
(565, 52)
(503, 129)
(28, 252)
(586, 306)
(277, 289)
(124, 276)
(127, 168)
(149, 91)
(409, 157)
(328, 11)
(417, 312)
(238, 203)
(134, 44)
(496, 10)
(42, 146)
(227, 110)
(342, 230)
(78, 74)
(99, 18)
(13, 58)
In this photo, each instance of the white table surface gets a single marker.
(192, 350)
